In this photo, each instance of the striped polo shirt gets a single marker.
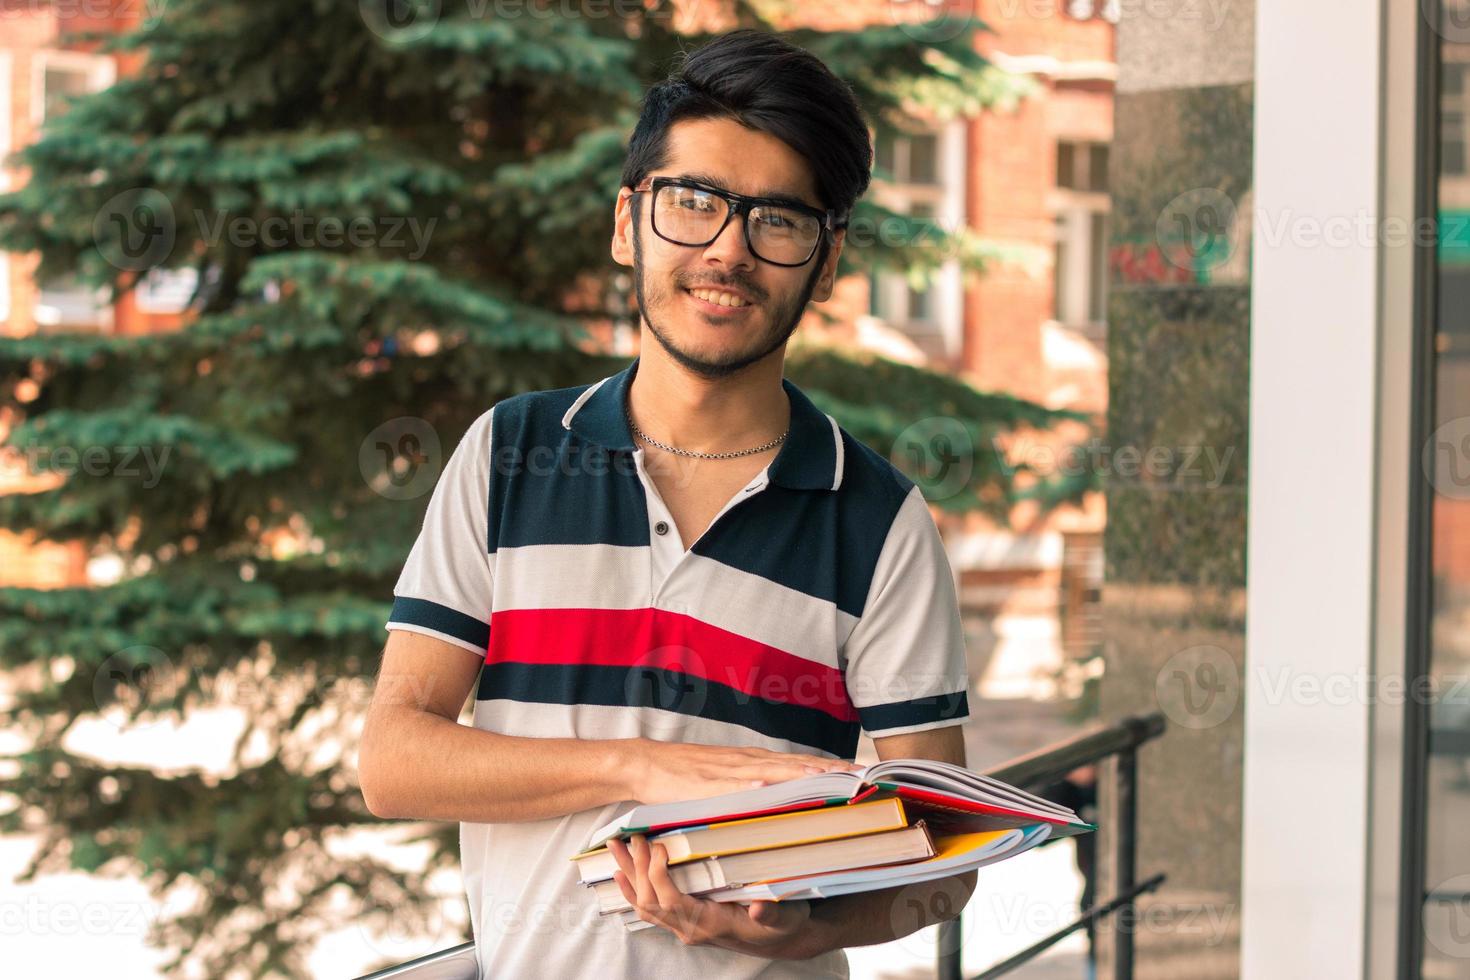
(818, 604)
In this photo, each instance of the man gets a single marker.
(682, 580)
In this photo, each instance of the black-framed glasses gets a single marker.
(687, 212)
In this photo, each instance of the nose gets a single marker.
(729, 248)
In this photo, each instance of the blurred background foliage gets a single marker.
(260, 553)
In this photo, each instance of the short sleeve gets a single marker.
(445, 588)
(905, 658)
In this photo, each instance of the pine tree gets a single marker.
(294, 419)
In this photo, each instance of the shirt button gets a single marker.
(662, 527)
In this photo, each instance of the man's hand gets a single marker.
(663, 772)
(774, 930)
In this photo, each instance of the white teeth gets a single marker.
(714, 296)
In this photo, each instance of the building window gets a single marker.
(1453, 113)
(57, 77)
(1108, 10)
(1082, 166)
(1080, 212)
(921, 174)
(166, 290)
(65, 305)
(5, 90)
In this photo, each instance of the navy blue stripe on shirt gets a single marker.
(645, 686)
(440, 619)
(900, 714)
(550, 486)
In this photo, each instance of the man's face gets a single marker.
(709, 339)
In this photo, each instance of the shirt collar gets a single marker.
(809, 459)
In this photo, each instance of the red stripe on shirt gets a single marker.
(658, 638)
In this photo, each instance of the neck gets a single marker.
(703, 415)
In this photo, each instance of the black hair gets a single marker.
(766, 83)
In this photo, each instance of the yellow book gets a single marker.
(759, 833)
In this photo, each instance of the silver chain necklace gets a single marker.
(686, 452)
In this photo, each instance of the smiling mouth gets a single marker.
(718, 301)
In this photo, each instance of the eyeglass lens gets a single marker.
(691, 216)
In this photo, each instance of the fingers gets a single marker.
(664, 889)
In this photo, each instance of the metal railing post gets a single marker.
(950, 935)
(1126, 859)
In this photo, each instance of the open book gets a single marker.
(950, 799)
(865, 851)
(954, 855)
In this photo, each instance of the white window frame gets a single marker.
(88, 310)
(165, 290)
(7, 135)
(945, 328)
(1345, 312)
(1074, 210)
(101, 71)
(7, 64)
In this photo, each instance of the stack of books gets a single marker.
(894, 823)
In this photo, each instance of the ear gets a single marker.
(823, 289)
(622, 239)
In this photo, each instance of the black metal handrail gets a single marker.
(1033, 771)
(1044, 767)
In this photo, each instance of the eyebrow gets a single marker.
(773, 195)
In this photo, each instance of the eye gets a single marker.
(693, 200)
